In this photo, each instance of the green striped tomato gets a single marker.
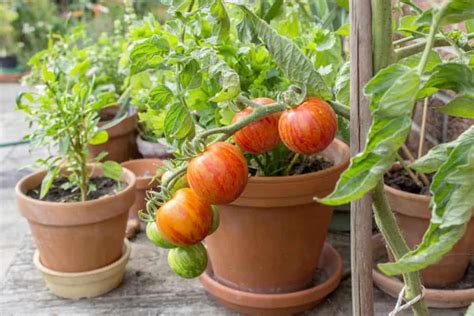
(188, 262)
(215, 219)
(155, 236)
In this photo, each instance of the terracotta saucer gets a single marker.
(76, 285)
(330, 265)
(436, 298)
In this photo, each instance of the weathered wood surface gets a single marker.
(361, 210)
(150, 288)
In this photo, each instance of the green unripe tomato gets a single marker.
(188, 262)
(153, 233)
(215, 219)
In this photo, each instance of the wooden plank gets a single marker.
(361, 210)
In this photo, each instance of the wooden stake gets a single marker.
(361, 210)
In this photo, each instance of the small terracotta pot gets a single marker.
(121, 145)
(270, 239)
(413, 217)
(153, 149)
(77, 236)
(144, 170)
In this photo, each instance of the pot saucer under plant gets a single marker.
(9, 75)
(326, 280)
(76, 285)
(460, 294)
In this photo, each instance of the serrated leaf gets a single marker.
(148, 53)
(191, 76)
(178, 123)
(460, 106)
(112, 170)
(342, 85)
(289, 58)
(390, 127)
(452, 204)
(222, 27)
(48, 181)
(99, 138)
(160, 96)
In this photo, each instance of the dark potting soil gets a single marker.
(308, 164)
(106, 116)
(401, 180)
(58, 193)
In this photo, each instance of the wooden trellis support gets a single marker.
(361, 210)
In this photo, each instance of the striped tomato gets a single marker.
(185, 219)
(259, 136)
(218, 175)
(188, 262)
(308, 128)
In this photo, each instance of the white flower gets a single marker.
(28, 28)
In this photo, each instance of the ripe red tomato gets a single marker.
(259, 136)
(308, 128)
(218, 175)
(185, 219)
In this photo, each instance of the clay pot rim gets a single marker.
(144, 182)
(127, 250)
(408, 195)
(346, 157)
(279, 300)
(128, 175)
(392, 286)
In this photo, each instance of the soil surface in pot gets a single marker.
(306, 164)
(59, 192)
(106, 116)
(399, 179)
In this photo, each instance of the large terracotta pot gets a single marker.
(121, 145)
(77, 236)
(270, 239)
(413, 217)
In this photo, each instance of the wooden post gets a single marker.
(361, 210)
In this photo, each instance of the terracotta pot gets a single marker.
(144, 170)
(413, 217)
(153, 149)
(121, 145)
(270, 239)
(77, 236)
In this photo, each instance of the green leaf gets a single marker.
(343, 4)
(48, 181)
(289, 58)
(222, 27)
(431, 162)
(344, 30)
(413, 61)
(160, 96)
(458, 11)
(46, 74)
(460, 106)
(452, 204)
(80, 68)
(191, 76)
(275, 10)
(112, 170)
(342, 85)
(178, 123)
(99, 138)
(391, 109)
(148, 53)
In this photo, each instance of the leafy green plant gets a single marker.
(65, 114)
(408, 76)
(7, 16)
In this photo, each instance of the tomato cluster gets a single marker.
(307, 129)
(219, 176)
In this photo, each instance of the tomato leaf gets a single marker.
(112, 170)
(452, 204)
(460, 106)
(289, 58)
(191, 76)
(178, 123)
(391, 107)
(148, 53)
(458, 11)
(222, 27)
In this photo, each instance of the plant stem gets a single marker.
(381, 28)
(411, 158)
(387, 224)
(290, 165)
(341, 109)
(423, 128)
(407, 169)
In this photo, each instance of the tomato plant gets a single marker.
(219, 174)
(308, 128)
(185, 219)
(260, 136)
